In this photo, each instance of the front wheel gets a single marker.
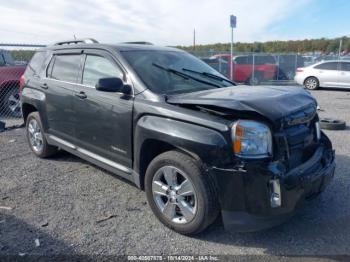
(179, 194)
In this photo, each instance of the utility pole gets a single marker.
(340, 46)
(233, 21)
(194, 39)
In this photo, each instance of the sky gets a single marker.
(171, 22)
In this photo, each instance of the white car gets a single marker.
(332, 73)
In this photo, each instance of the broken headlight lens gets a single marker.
(251, 139)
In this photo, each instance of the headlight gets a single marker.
(251, 139)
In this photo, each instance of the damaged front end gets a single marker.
(264, 183)
(257, 194)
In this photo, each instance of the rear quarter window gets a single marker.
(36, 64)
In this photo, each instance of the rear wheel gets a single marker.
(311, 83)
(36, 138)
(254, 80)
(180, 196)
(11, 104)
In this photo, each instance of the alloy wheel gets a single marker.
(174, 195)
(35, 136)
(311, 83)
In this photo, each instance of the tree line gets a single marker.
(322, 45)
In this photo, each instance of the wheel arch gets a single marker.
(312, 76)
(27, 109)
(155, 135)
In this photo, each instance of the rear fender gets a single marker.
(37, 99)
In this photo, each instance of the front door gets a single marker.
(103, 119)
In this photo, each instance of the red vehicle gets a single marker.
(10, 75)
(249, 69)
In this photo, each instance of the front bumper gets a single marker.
(245, 192)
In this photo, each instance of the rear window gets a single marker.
(328, 66)
(65, 68)
(36, 64)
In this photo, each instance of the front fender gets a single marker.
(208, 144)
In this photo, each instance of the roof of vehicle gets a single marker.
(334, 60)
(118, 47)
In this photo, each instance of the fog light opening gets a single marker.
(275, 193)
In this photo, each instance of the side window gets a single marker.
(328, 66)
(65, 68)
(2, 60)
(241, 60)
(35, 64)
(97, 67)
(345, 66)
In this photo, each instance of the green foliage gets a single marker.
(22, 55)
(322, 45)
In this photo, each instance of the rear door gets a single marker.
(328, 74)
(344, 74)
(104, 119)
(62, 78)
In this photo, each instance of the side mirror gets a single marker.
(110, 84)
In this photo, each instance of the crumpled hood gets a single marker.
(273, 102)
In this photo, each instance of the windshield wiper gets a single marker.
(209, 75)
(184, 75)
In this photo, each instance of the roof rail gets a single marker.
(77, 41)
(138, 43)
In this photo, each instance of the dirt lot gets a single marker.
(73, 207)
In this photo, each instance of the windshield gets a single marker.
(166, 72)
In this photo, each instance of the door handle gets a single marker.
(44, 86)
(81, 95)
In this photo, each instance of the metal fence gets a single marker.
(259, 68)
(13, 61)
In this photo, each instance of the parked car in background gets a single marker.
(194, 141)
(287, 64)
(333, 73)
(309, 60)
(10, 75)
(250, 69)
(218, 64)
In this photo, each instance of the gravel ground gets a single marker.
(73, 207)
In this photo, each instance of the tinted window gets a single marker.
(241, 60)
(328, 66)
(66, 68)
(260, 60)
(36, 63)
(345, 66)
(2, 60)
(97, 67)
(8, 58)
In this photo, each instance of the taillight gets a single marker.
(21, 83)
(299, 70)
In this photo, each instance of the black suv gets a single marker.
(194, 141)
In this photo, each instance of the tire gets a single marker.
(11, 105)
(254, 80)
(332, 124)
(203, 202)
(311, 83)
(36, 138)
